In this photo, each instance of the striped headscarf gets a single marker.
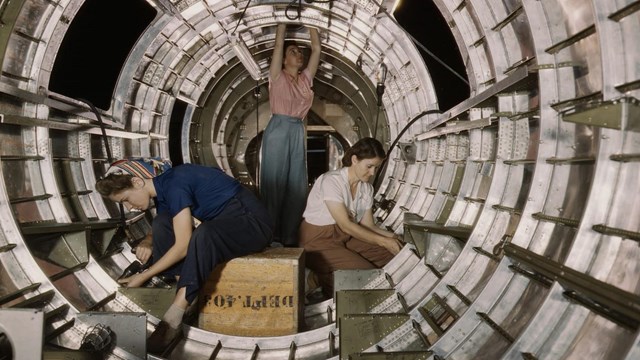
(145, 168)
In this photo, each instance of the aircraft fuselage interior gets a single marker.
(512, 171)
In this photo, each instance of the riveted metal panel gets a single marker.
(441, 251)
(414, 285)
(358, 332)
(24, 330)
(468, 178)
(154, 301)
(400, 266)
(488, 144)
(521, 139)
(394, 217)
(419, 196)
(482, 180)
(505, 139)
(609, 114)
(456, 180)
(470, 215)
(358, 279)
(360, 301)
(446, 208)
(475, 143)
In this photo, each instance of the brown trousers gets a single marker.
(328, 248)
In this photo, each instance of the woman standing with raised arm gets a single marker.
(283, 169)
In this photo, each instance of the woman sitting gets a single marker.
(338, 231)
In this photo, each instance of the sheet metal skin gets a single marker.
(530, 178)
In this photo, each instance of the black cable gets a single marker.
(375, 129)
(291, 5)
(95, 111)
(241, 16)
(257, 94)
(379, 92)
(102, 128)
(395, 142)
(432, 55)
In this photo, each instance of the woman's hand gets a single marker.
(136, 280)
(144, 250)
(393, 245)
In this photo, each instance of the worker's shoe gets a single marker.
(312, 283)
(162, 337)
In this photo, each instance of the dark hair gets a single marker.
(287, 43)
(114, 183)
(365, 148)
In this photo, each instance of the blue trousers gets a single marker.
(243, 227)
(283, 175)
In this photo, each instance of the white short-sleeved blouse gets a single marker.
(334, 186)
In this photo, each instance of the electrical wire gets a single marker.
(375, 129)
(383, 10)
(107, 147)
(95, 111)
(241, 16)
(292, 5)
(257, 95)
(395, 142)
(432, 55)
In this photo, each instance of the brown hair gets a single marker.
(365, 148)
(286, 45)
(113, 184)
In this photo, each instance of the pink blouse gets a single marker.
(291, 97)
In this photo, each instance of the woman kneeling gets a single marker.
(203, 218)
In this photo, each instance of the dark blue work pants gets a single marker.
(242, 228)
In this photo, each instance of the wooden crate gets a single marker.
(255, 295)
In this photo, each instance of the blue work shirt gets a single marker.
(204, 189)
